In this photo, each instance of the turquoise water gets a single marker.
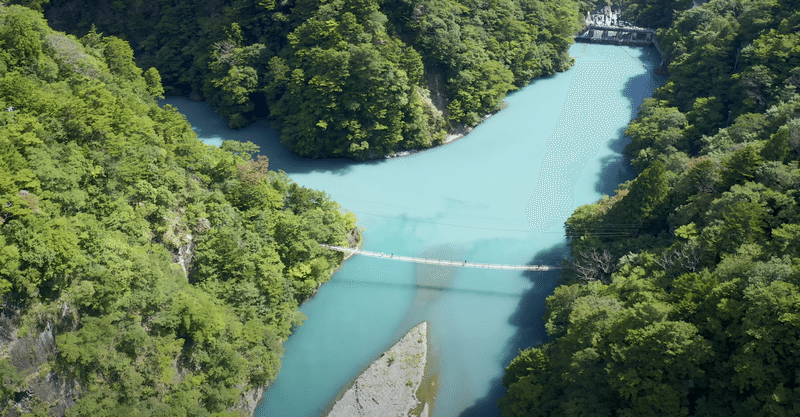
(499, 195)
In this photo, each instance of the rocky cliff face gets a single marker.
(43, 388)
(33, 355)
(436, 100)
(249, 402)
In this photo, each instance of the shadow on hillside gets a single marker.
(431, 288)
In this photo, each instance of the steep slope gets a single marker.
(141, 271)
(340, 78)
(685, 292)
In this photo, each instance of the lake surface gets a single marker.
(499, 195)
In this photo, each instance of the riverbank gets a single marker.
(419, 205)
(389, 386)
(457, 133)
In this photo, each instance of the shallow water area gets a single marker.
(498, 195)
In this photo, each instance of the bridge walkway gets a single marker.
(440, 262)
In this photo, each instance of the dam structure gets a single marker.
(617, 35)
(606, 28)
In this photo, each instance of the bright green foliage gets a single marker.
(700, 312)
(153, 80)
(342, 78)
(170, 271)
(489, 48)
(478, 90)
(658, 130)
(730, 58)
(9, 382)
(234, 77)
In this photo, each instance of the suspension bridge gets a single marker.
(439, 262)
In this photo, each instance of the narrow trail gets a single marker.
(439, 261)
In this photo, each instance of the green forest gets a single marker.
(145, 273)
(341, 78)
(683, 297)
(167, 271)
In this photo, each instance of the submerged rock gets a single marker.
(389, 386)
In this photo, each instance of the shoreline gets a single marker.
(457, 133)
(347, 256)
(429, 386)
(451, 136)
(391, 383)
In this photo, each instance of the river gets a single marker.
(499, 195)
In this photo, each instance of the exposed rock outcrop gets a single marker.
(32, 356)
(248, 402)
(389, 386)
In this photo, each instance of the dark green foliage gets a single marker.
(104, 197)
(339, 78)
(653, 13)
(365, 104)
(690, 297)
(646, 200)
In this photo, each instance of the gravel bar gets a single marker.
(389, 386)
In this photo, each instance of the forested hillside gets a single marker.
(684, 298)
(353, 78)
(141, 271)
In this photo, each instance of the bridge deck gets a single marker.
(439, 261)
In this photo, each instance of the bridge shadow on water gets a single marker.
(527, 319)
(434, 288)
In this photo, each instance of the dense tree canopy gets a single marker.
(690, 307)
(169, 271)
(352, 78)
